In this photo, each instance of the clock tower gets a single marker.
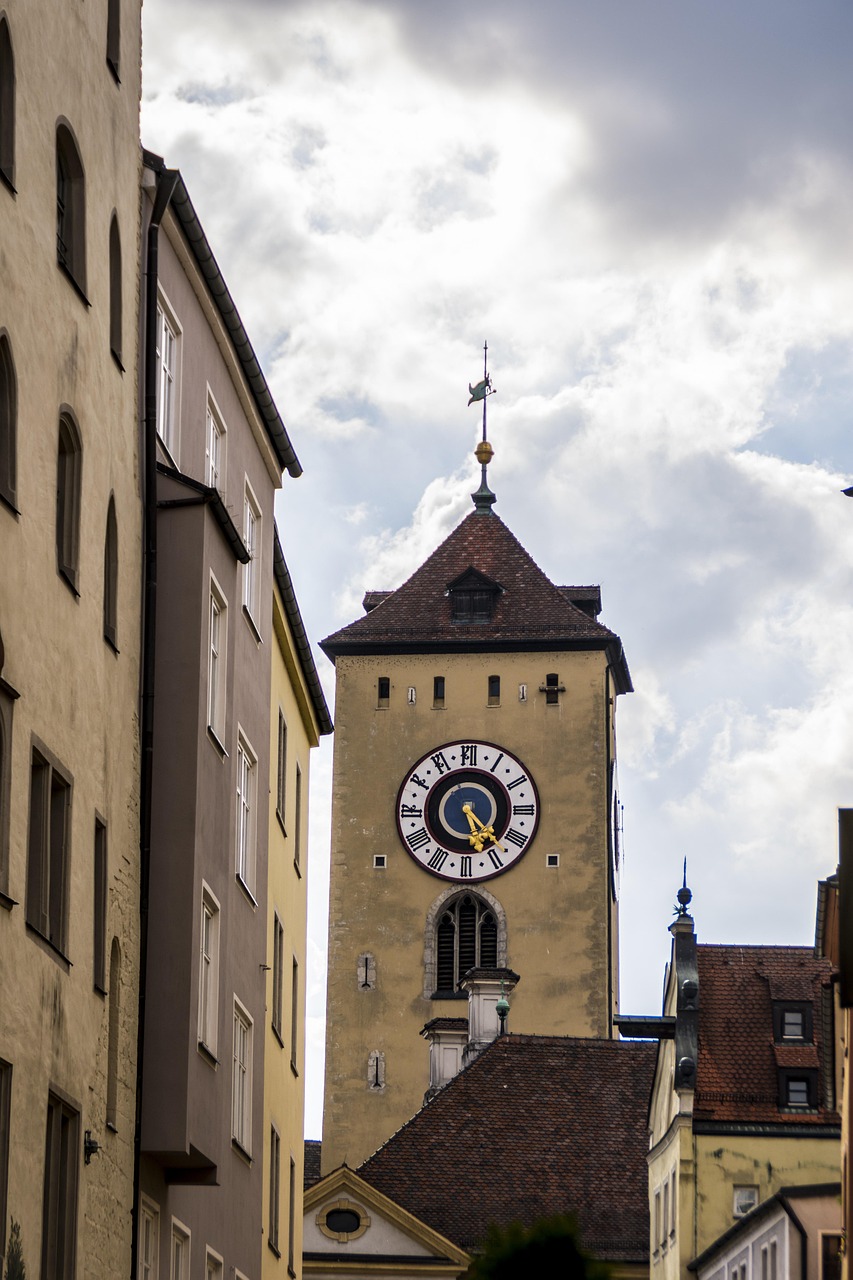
(472, 823)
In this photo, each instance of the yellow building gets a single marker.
(743, 1102)
(473, 797)
(70, 569)
(299, 716)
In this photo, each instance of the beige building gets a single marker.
(298, 717)
(472, 825)
(70, 568)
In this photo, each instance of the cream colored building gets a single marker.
(298, 717)
(70, 569)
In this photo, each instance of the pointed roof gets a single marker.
(534, 1126)
(530, 612)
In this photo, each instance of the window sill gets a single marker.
(280, 822)
(248, 892)
(294, 1068)
(115, 355)
(291, 1272)
(252, 625)
(99, 990)
(110, 641)
(6, 501)
(7, 902)
(274, 1248)
(208, 1055)
(111, 1126)
(65, 575)
(75, 284)
(113, 70)
(297, 868)
(7, 182)
(214, 738)
(51, 946)
(241, 1150)
(277, 1034)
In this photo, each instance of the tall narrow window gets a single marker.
(294, 1015)
(149, 1240)
(100, 907)
(111, 576)
(213, 1266)
(466, 938)
(47, 854)
(115, 289)
(8, 419)
(494, 691)
(7, 707)
(59, 1203)
(277, 975)
(70, 207)
(438, 691)
(241, 1081)
(5, 1145)
(247, 786)
(167, 354)
(297, 823)
(275, 1188)
(114, 36)
(281, 768)
(7, 104)
(383, 691)
(113, 1034)
(291, 1218)
(179, 1263)
(208, 977)
(68, 475)
(252, 570)
(552, 689)
(215, 448)
(216, 664)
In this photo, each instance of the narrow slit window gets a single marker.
(383, 691)
(68, 474)
(100, 907)
(114, 36)
(438, 691)
(552, 689)
(7, 104)
(115, 289)
(113, 1034)
(111, 576)
(8, 420)
(70, 207)
(494, 691)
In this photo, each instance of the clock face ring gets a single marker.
(467, 811)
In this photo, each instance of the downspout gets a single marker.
(166, 182)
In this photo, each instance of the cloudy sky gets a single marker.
(646, 207)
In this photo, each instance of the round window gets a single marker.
(343, 1221)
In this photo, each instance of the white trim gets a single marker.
(253, 525)
(210, 1255)
(168, 377)
(149, 1268)
(180, 1233)
(215, 448)
(208, 975)
(217, 658)
(247, 813)
(241, 1076)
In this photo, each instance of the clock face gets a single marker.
(467, 811)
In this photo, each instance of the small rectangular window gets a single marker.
(657, 1222)
(494, 691)
(552, 860)
(208, 982)
(552, 684)
(797, 1092)
(438, 691)
(379, 861)
(59, 1202)
(281, 768)
(383, 691)
(744, 1200)
(792, 1024)
(277, 975)
(773, 1253)
(275, 1188)
(100, 907)
(241, 1080)
(830, 1256)
(47, 861)
(212, 1266)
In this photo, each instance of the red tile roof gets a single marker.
(536, 1125)
(736, 1078)
(530, 612)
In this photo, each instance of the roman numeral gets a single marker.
(497, 762)
(440, 762)
(523, 810)
(412, 811)
(419, 782)
(495, 858)
(465, 865)
(515, 837)
(437, 860)
(469, 755)
(418, 838)
(517, 782)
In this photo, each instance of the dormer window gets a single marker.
(792, 1021)
(473, 597)
(792, 1024)
(798, 1089)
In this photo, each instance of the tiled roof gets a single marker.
(313, 1150)
(736, 1078)
(530, 610)
(534, 1126)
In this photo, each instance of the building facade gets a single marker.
(71, 538)
(472, 823)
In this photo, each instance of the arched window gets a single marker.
(115, 289)
(112, 1041)
(466, 937)
(7, 104)
(70, 207)
(111, 575)
(8, 421)
(68, 470)
(113, 35)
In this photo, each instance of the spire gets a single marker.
(483, 499)
(685, 897)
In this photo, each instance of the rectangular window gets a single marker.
(552, 689)
(765, 1263)
(59, 1204)
(291, 1217)
(297, 822)
(773, 1259)
(744, 1201)
(214, 460)
(212, 1266)
(797, 1092)
(830, 1256)
(5, 1145)
(241, 1081)
(252, 539)
(216, 661)
(275, 1188)
(672, 1204)
(167, 351)
(7, 705)
(656, 1234)
(149, 1240)
(180, 1258)
(664, 1231)
(281, 768)
(247, 788)
(47, 854)
(383, 691)
(208, 978)
(100, 907)
(277, 975)
(494, 691)
(792, 1024)
(294, 1015)
(438, 691)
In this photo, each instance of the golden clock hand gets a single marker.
(486, 833)
(474, 838)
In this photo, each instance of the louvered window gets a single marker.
(466, 938)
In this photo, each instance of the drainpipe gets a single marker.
(166, 181)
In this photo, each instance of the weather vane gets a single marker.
(484, 499)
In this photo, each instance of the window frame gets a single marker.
(114, 38)
(60, 1189)
(168, 377)
(116, 315)
(111, 576)
(216, 434)
(70, 208)
(217, 661)
(7, 714)
(48, 865)
(8, 423)
(277, 1014)
(241, 1078)
(247, 815)
(7, 105)
(298, 820)
(99, 913)
(113, 1035)
(6, 1070)
(69, 479)
(216, 1272)
(274, 1207)
(452, 907)
(253, 540)
(182, 1236)
(208, 971)
(149, 1266)
(294, 1016)
(281, 771)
